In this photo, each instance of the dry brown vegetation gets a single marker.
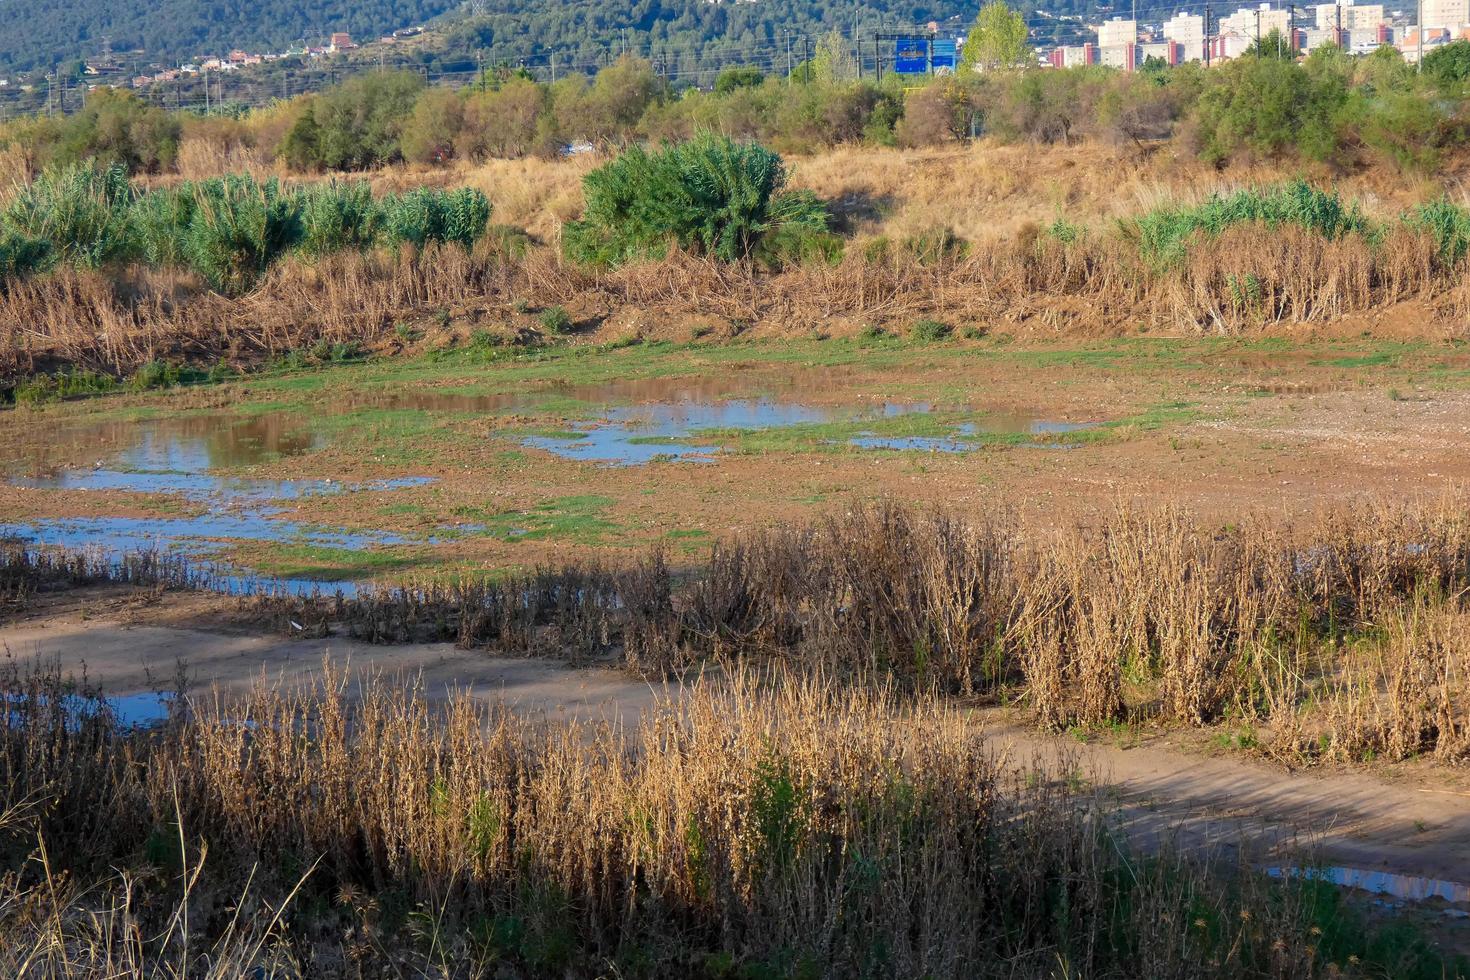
(767, 826)
(903, 263)
(1338, 639)
(1251, 279)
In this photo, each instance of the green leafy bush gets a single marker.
(337, 216)
(21, 256)
(1163, 234)
(1269, 107)
(83, 212)
(425, 215)
(930, 331)
(1448, 223)
(710, 195)
(239, 227)
(555, 319)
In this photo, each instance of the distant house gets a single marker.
(238, 57)
(341, 41)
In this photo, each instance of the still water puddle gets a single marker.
(128, 711)
(174, 458)
(1409, 888)
(621, 423)
(639, 434)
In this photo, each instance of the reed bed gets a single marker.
(1335, 639)
(770, 825)
(1251, 278)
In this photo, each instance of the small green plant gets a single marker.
(930, 331)
(871, 332)
(61, 385)
(1064, 231)
(556, 320)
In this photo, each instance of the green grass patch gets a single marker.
(580, 520)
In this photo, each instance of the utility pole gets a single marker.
(1258, 27)
(553, 69)
(788, 58)
(1337, 25)
(1209, 15)
(1419, 58)
(206, 91)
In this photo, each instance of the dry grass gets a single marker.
(1337, 639)
(765, 826)
(1012, 277)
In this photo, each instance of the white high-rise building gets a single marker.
(1117, 33)
(1254, 22)
(1187, 31)
(1349, 16)
(1449, 14)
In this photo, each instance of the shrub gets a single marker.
(355, 125)
(426, 215)
(555, 319)
(116, 128)
(21, 256)
(737, 77)
(1448, 223)
(930, 331)
(710, 195)
(1269, 106)
(1164, 233)
(83, 212)
(937, 113)
(1450, 64)
(510, 121)
(239, 227)
(338, 216)
(431, 132)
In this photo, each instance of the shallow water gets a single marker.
(175, 457)
(1410, 888)
(635, 434)
(620, 423)
(638, 434)
(963, 440)
(141, 710)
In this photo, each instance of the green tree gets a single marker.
(1450, 64)
(738, 77)
(432, 132)
(998, 39)
(833, 60)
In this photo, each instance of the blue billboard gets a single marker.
(945, 55)
(911, 57)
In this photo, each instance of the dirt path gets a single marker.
(1409, 822)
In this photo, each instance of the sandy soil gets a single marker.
(1404, 821)
(1283, 431)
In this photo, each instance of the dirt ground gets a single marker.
(1223, 428)
(1396, 821)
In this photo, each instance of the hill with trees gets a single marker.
(42, 34)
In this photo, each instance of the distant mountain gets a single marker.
(686, 39)
(40, 34)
